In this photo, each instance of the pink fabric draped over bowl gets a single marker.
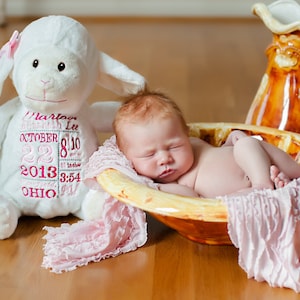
(121, 229)
(264, 226)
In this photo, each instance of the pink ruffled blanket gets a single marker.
(263, 225)
(121, 229)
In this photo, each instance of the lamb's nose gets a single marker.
(45, 82)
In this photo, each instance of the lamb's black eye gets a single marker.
(61, 66)
(35, 63)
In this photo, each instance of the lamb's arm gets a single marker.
(103, 114)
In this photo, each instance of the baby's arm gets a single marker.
(175, 188)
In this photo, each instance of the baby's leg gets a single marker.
(254, 161)
(279, 178)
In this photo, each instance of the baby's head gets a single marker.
(145, 107)
(152, 133)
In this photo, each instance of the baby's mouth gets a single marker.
(167, 172)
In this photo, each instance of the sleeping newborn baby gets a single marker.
(152, 133)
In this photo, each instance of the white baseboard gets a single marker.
(222, 8)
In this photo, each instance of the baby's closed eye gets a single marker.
(147, 154)
(150, 154)
(175, 147)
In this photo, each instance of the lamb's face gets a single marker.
(51, 80)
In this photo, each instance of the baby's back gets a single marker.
(215, 171)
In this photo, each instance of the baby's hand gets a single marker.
(178, 189)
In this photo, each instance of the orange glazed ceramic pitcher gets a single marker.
(277, 102)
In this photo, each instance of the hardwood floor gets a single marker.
(212, 68)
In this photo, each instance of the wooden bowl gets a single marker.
(199, 219)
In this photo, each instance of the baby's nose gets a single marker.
(165, 158)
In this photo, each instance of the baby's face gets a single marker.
(159, 149)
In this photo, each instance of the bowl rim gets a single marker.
(123, 188)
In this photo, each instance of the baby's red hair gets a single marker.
(143, 107)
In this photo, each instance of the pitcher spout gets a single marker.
(280, 17)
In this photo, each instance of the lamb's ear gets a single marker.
(7, 57)
(117, 77)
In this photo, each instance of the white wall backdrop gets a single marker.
(132, 7)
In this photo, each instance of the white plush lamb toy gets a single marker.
(48, 132)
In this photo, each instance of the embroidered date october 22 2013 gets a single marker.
(51, 155)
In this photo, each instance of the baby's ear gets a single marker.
(117, 77)
(7, 57)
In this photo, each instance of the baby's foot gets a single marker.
(280, 179)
